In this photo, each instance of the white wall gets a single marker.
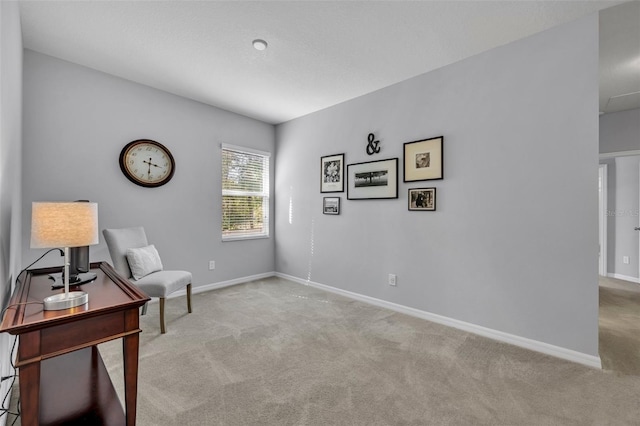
(76, 122)
(10, 166)
(513, 245)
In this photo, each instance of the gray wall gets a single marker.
(513, 245)
(620, 131)
(10, 144)
(10, 165)
(76, 122)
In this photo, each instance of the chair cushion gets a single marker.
(163, 283)
(143, 261)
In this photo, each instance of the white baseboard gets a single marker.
(534, 345)
(218, 285)
(624, 278)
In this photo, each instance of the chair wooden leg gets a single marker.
(189, 298)
(144, 308)
(162, 329)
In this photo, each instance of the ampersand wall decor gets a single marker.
(372, 146)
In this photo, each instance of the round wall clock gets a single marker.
(147, 163)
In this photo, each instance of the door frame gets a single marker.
(602, 219)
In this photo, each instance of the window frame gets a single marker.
(265, 194)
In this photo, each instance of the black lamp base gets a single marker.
(82, 278)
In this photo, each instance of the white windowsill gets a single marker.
(247, 237)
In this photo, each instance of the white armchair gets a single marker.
(139, 262)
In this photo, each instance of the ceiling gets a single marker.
(320, 52)
(620, 57)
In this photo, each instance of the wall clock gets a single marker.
(147, 163)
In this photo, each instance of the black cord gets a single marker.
(9, 412)
(6, 395)
(38, 259)
(19, 304)
(45, 253)
(20, 273)
(16, 414)
(18, 279)
(3, 410)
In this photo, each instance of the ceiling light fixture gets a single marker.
(259, 44)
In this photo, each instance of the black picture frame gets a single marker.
(424, 160)
(332, 173)
(422, 199)
(331, 205)
(373, 180)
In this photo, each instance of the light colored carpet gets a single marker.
(273, 352)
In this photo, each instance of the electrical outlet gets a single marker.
(625, 260)
(392, 279)
(212, 265)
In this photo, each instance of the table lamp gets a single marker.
(64, 225)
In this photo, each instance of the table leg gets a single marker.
(130, 354)
(29, 349)
(30, 394)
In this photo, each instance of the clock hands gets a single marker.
(150, 164)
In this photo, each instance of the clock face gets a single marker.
(147, 163)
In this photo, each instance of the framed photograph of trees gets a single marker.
(372, 180)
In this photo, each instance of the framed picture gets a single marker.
(422, 199)
(423, 160)
(373, 180)
(332, 173)
(331, 205)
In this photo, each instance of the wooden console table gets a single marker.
(62, 377)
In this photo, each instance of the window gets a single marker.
(245, 193)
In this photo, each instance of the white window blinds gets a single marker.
(245, 193)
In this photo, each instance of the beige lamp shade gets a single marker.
(66, 224)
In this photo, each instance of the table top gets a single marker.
(109, 292)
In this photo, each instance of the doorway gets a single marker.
(619, 281)
(619, 216)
